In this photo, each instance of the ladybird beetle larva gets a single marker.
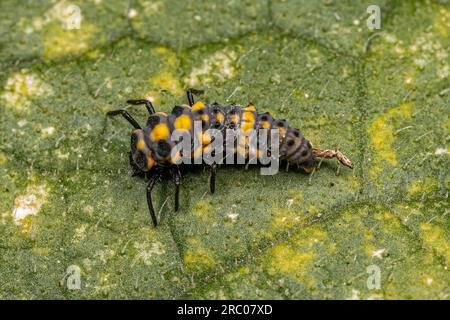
(153, 146)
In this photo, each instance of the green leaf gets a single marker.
(68, 197)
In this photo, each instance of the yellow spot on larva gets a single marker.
(204, 117)
(150, 163)
(250, 107)
(141, 144)
(248, 116)
(246, 126)
(183, 122)
(206, 139)
(219, 117)
(248, 121)
(198, 105)
(160, 132)
(207, 149)
(197, 152)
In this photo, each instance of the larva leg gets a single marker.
(126, 115)
(212, 178)
(333, 154)
(148, 104)
(150, 186)
(177, 181)
(190, 95)
(136, 171)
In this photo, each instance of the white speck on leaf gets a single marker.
(378, 253)
(290, 202)
(147, 251)
(22, 123)
(440, 151)
(22, 87)
(132, 13)
(355, 295)
(217, 67)
(29, 204)
(48, 131)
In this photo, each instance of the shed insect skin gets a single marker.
(151, 145)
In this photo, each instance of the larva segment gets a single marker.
(264, 121)
(217, 116)
(232, 116)
(157, 136)
(181, 118)
(248, 120)
(140, 152)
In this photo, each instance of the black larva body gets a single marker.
(151, 146)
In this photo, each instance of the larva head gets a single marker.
(297, 150)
